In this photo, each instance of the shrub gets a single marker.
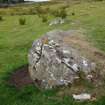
(22, 21)
(1, 18)
(63, 13)
(32, 11)
(44, 19)
(41, 10)
(55, 13)
(72, 13)
(98, 0)
(60, 13)
(65, 6)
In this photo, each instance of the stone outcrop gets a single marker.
(53, 62)
(57, 21)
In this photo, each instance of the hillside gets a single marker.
(16, 39)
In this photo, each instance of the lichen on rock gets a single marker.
(53, 62)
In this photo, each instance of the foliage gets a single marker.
(63, 13)
(60, 13)
(73, 13)
(44, 18)
(41, 10)
(98, 0)
(22, 21)
(1, 18)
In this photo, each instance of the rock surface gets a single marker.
(82, 96)
(57, 21)
(53, 62)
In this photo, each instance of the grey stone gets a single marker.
(82, 96)
(53, 62)
(57, 21)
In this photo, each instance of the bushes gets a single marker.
(63, 13)
(1, 18)
(98, 0)
(40, 10)
(72, 13)
(32, 11)
(60, 13)
(44, 18)
(22, 21)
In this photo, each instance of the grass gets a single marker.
(92, 18)
(15, 41)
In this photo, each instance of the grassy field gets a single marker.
(15, 41)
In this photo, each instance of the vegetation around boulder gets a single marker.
(1, 18)
(16, 40)
(22, 21)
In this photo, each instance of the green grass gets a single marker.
(15, 41)
(92, 18)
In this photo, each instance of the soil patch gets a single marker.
(20, 77)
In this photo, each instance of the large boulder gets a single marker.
(54, 62)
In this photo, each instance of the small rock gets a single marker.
(57, 21)
(82, 96)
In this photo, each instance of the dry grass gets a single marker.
(80, 42)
